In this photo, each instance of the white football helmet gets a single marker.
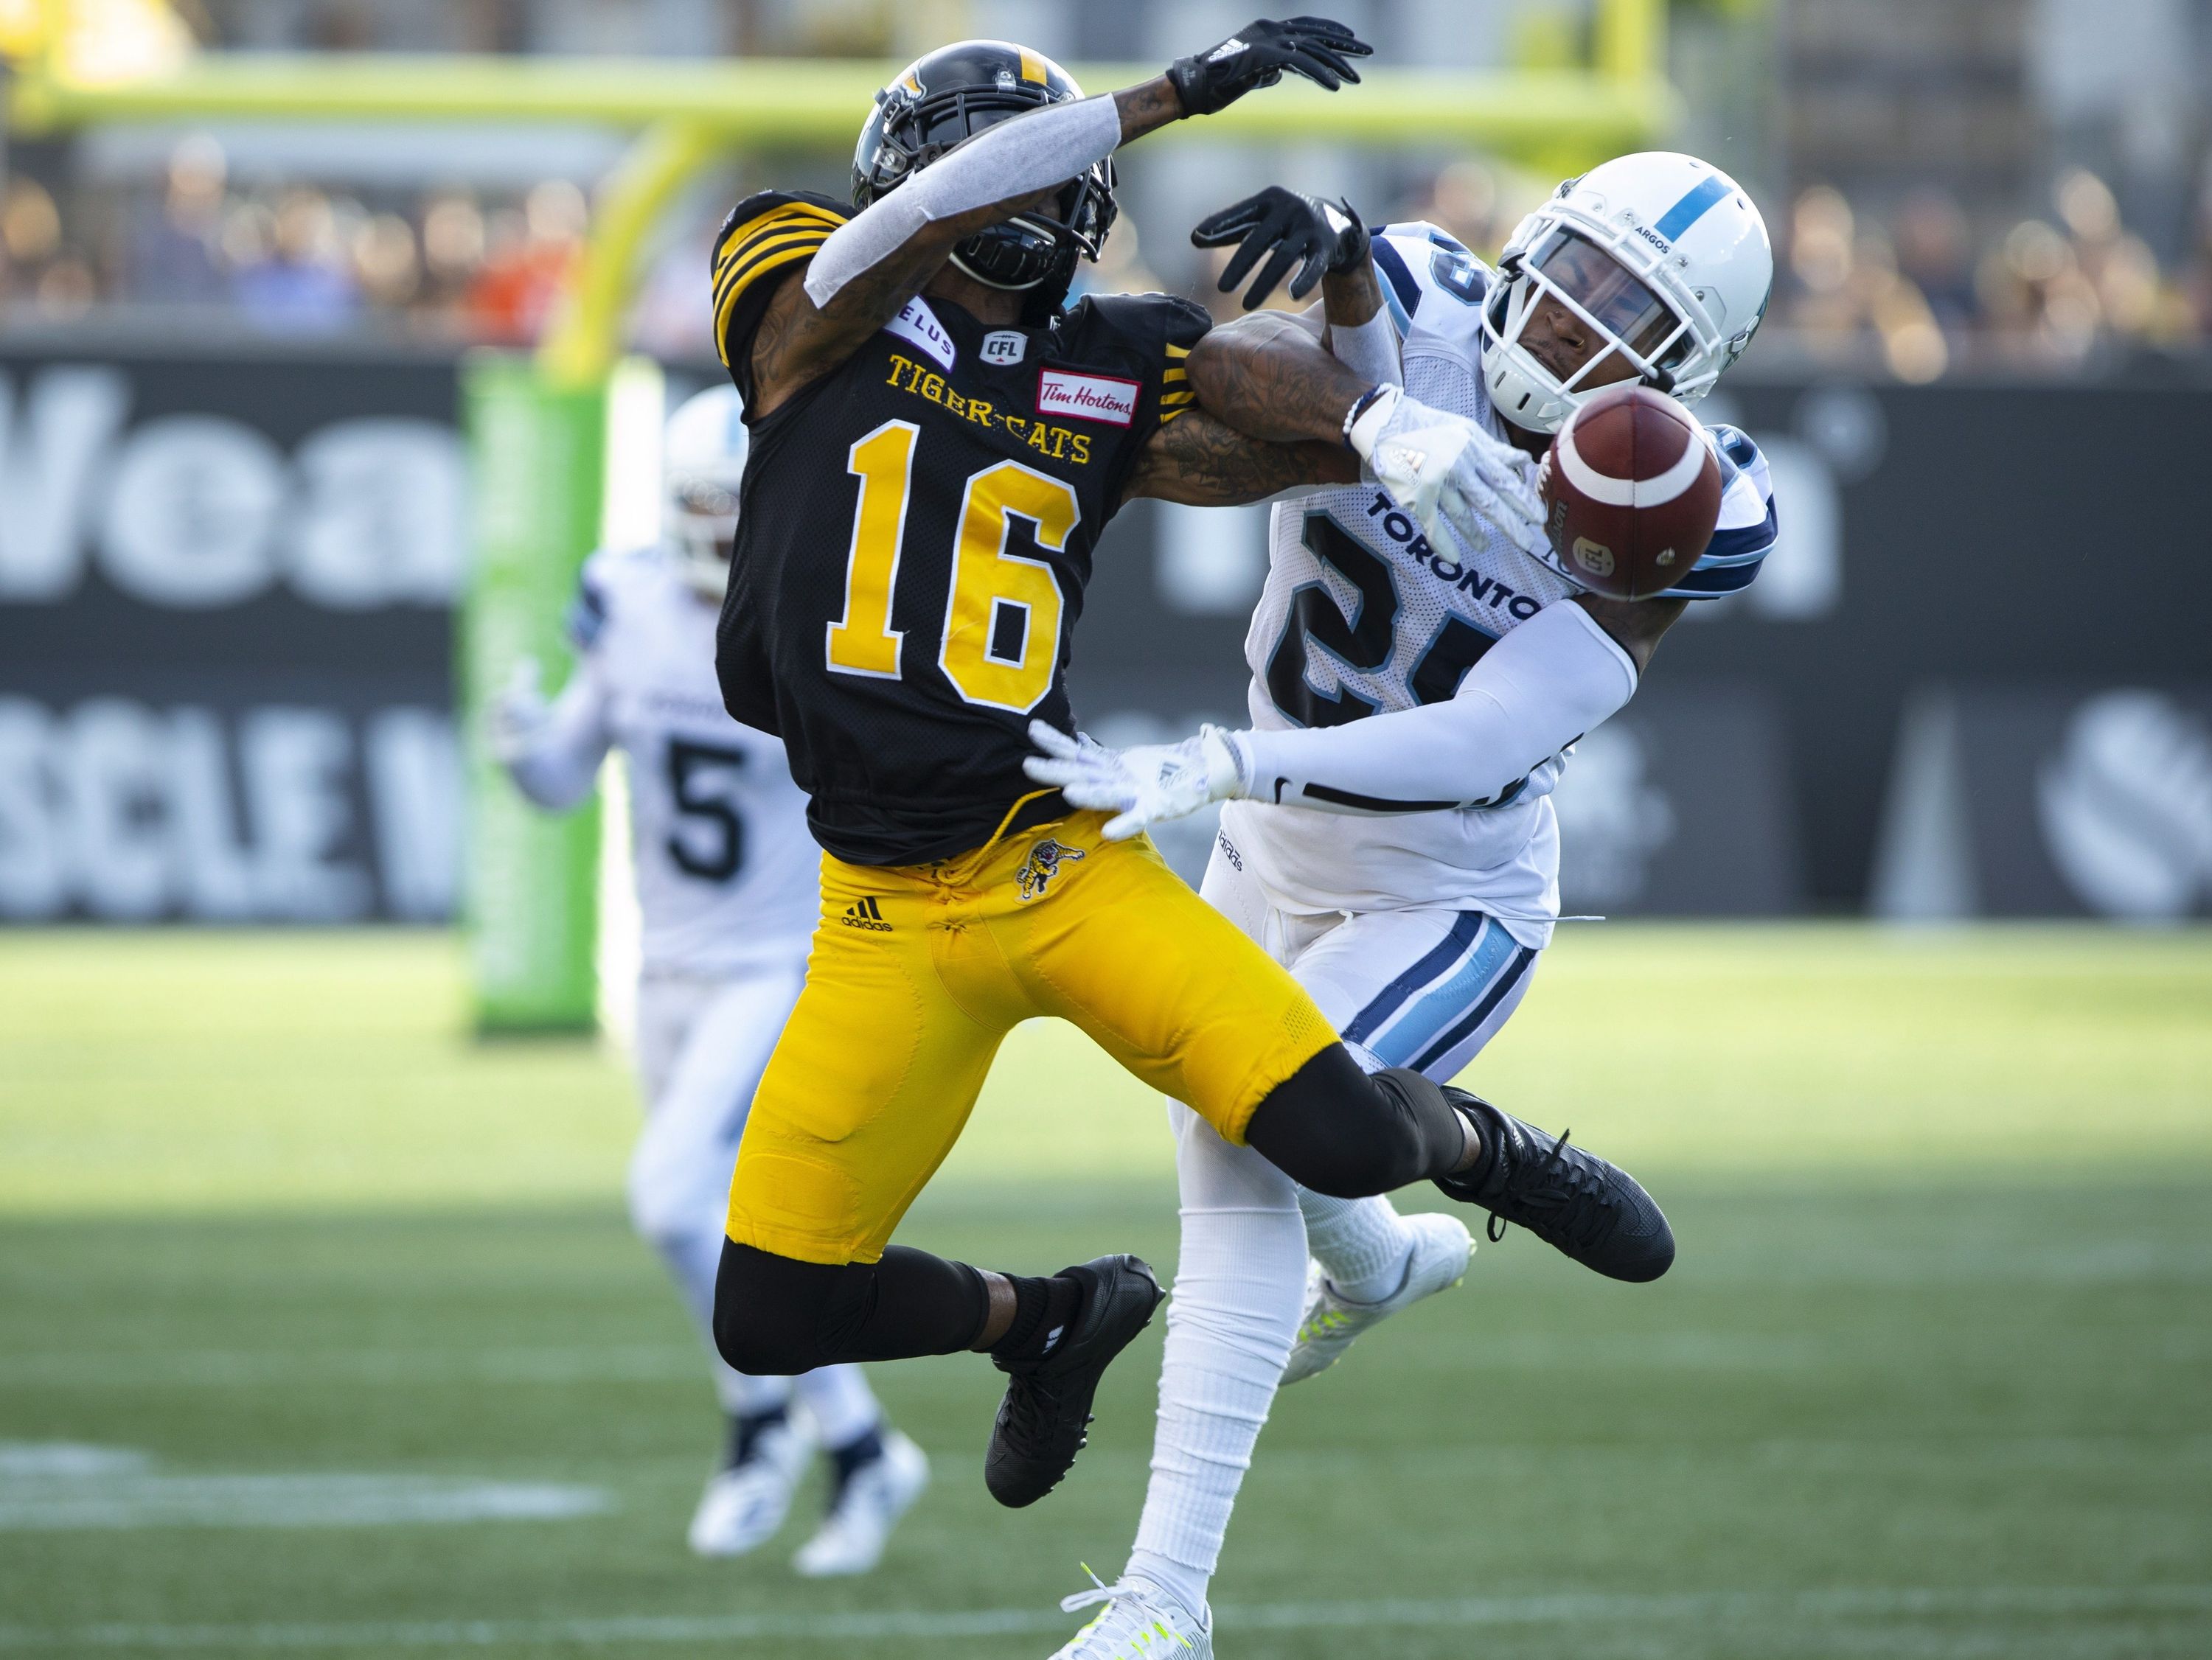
(702, 462)
(1663, 256)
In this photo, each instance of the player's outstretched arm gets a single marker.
(1203, 462)
(551, 750)
(1543, 686)
(874, 262)
(1268, 377)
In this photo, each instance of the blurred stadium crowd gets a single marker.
(1929, 286)
(1996, 186)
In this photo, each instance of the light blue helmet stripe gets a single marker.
(1692, 206)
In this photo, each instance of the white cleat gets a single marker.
(1139, 1621)
(1332, 1324)
(745, 1504)
(854, 1534)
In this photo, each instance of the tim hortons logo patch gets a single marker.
(1087, 396)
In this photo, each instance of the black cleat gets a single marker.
(1573, 1201)
(1044, 1419)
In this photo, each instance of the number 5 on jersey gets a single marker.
(999, 646)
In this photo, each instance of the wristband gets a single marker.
(1365, 420)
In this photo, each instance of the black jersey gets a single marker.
(916, 535)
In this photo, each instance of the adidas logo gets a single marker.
(866, 914)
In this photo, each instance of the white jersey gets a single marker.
(1361, 614)
(727, 873)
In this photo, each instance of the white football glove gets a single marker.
(518, 717)
(1446, 469)
(1146, 786)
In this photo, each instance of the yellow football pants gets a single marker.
(918, 972)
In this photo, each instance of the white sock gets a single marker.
(840, 1403)
(1360, 1243)
(1239, 1288)
(693, 1260)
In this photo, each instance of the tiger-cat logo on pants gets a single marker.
(1042, 865)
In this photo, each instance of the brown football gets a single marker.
(1631, 491)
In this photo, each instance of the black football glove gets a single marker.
(1327, 236)
(1257, 55)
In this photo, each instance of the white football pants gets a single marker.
(701, 1047)
(1426, 988)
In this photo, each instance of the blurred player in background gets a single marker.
(727, 889)
(1418, 677)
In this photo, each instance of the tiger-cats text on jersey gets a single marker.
(914, 537)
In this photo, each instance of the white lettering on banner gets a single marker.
(47, 456)
(414, 793)
(199, 510)
(33, 882)
(124, 812)
(918, 326)
(114, 771)
(192, 513)
(291, 760)
(215, 861)
(382, 515)
(1088, 397)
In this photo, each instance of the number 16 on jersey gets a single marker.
(1000, 645)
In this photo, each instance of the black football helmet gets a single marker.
(953, 94)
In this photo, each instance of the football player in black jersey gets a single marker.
(937, 442)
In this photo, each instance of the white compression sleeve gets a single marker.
(1553, 679)
(1030, 152)
(562, 761)
(1370, 348)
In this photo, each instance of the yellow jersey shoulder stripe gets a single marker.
(766, 263)
(784, 213)
(744, 248)
(741, 271)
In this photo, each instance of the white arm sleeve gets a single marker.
(562, 761)
(1370, 348)
(1550, 680)
(1044, 148)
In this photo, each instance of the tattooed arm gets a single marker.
(1268, 376)
(1198, 460)
(1236, 444)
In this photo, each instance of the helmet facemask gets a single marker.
(1629, 319)
(1033, 252)
(699, 519)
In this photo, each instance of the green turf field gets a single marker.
(320, 1332)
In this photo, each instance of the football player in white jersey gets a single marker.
(728, 895)
(1422, 664)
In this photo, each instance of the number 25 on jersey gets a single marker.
(999, 646)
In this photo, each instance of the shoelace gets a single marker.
(1031, 1408)
(1552, 1183)
(1148, 1620)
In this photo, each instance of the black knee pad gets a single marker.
(774, 1316)
(1332, 1128)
